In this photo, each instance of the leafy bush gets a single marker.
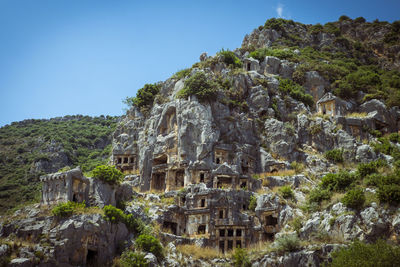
(133, 259)
(277, 24)
(144, 96)
(287, 243)
(286, 192)
(181, 74)
(335, 155)
(368, 255)
(116, 215)
(354, 199)
(360, 20)
(108, 174)
(230, 58)
(149, 243)
(389, 193)
(67, 209)
(317, 195)
(343, 18)
(296, 91)
(240, 258)
(200, 86)
(337, 181)
(365, 169)
(253, 203)
(261, 53)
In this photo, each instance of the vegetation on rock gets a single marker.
(149, 243)
(200, 86)
(108, 174)
(368, 255)
(63, 210)
(32, 148)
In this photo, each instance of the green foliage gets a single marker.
(261, 53)
(287, 243)
(278, 24)
(144, 96)
(393, 37)
(296, 91)
(384, 146)
(82, 140)
(354, 199)
(230, 58)
(241, 258)
(182, 74)
(297, 224)
(200, 86)
(335, 155)
(317, 195)
(343, 18)
(133, 259)
(116, 215)
(317, 28)
(108, 174)
(366, 255)
(286, 192)
(360, 20)
(338, 182)
(253, 203)
(64, 210)
(365, 169)
(389, 193)
(149, 243)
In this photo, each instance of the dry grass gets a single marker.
(259, 249)
(196, 252)
(357, 115)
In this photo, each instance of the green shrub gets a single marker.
(133, 259)
(149, 243)
(277, 24)
(337, 181)
(343, 18)
(366, 255)
(389, 193)
(108, 174)
(230, 58)
(296, 91)
(116, 215)
(335, 155)
(287, 243)
(317, 195)
(365, 169)
(354, 199)
(253, 203)
(261, 53)
(144, 96)
(241, 258)
(200, 86)
(360, 20)
(317, 28)
(67, 209)
(297, 224)
(394, 137)
(181, 74)
(286, 192)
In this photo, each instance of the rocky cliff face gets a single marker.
(249, 147)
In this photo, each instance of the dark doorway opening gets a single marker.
(171, 226)
(91, 258)
(201, 230)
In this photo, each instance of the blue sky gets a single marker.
(84, 57)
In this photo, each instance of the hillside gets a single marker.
(32, 148)
(283, 152)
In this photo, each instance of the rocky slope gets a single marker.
(247, 133)
(31, 148)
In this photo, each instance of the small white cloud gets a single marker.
(279, 10)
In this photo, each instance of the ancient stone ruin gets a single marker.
(65, 186)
